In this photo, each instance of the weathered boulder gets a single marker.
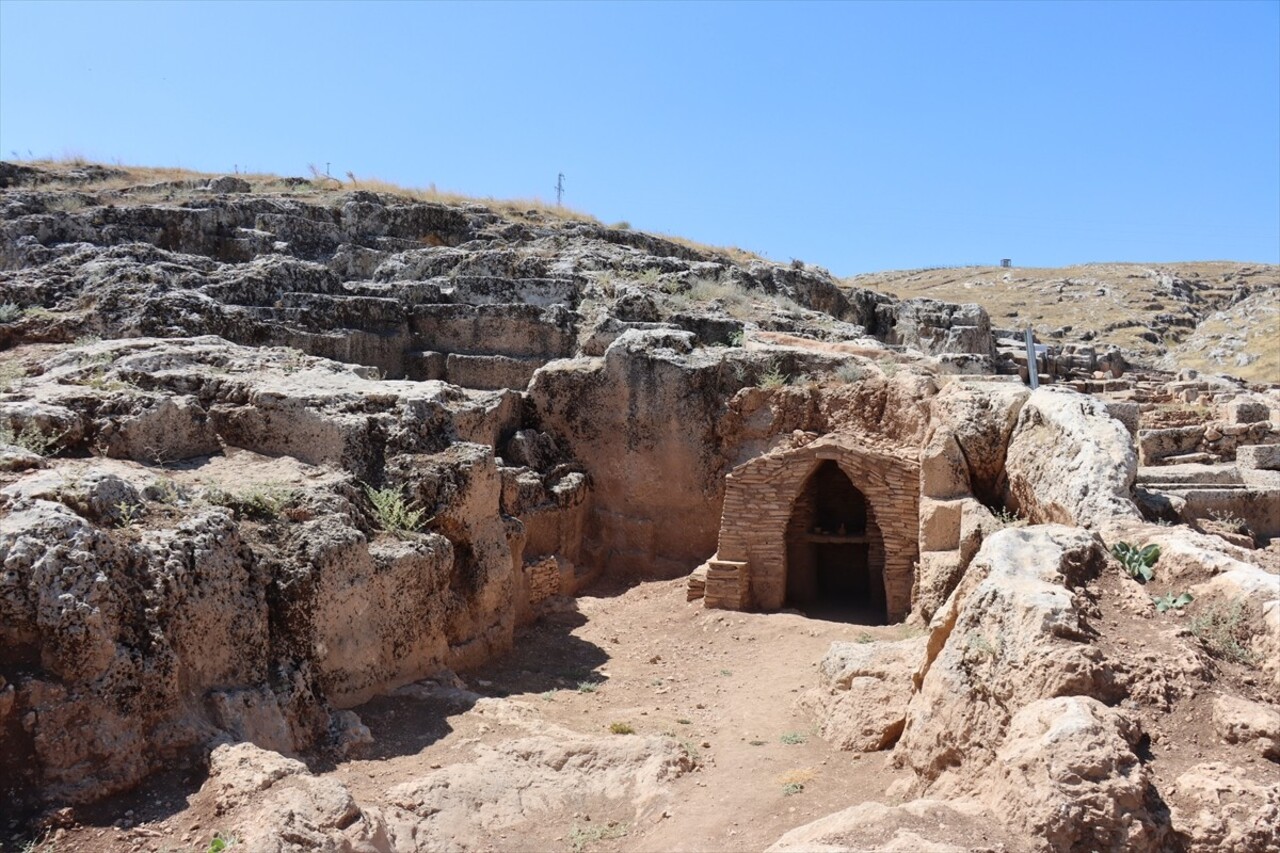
(982, 417)
(917, 826)
(1238, 720)
(1215, 806)
(1067, 775)
(1010, 635)
(861, 703)
(1087, 479)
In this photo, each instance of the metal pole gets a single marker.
(559, 188)
(1033, 365)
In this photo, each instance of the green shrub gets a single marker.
(10, 311)
(1169, 602)
(393, 513)
(773, 377)
(793, 738)
(1138, 563)
(1223, 632)
(849, 373)
(30, 438)
(622, 728)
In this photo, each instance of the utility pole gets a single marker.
(1033, 363)
(559, 189)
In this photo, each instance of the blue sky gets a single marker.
(858, 136)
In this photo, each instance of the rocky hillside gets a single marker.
(1212, 317)
(279, 457)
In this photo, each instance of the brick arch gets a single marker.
(760, 495)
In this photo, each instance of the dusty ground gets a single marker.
(724, 683)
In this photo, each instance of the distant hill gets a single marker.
(1215, 316)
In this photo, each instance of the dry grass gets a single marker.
(1089, 297)
(322, 187)
(733, 253)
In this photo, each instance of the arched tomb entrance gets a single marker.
(780, 532)
(835, 553)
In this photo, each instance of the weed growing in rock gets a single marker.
(622, 728)
(11, 376)
(10, 312)
(1223, 632)
(1229, 519)
(587, 687)
(1139, 563)
(393, 513)
(583, 836)
(1006, 517)
(849, 374)
(791, 788)
(221, 843)
(864, 637)
(30, 438)
(1170, 602)
(128, 513)
(773, 377)
(793, 738)
(263, 502)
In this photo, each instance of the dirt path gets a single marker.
(724, 684)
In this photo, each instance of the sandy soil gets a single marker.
(724, 683)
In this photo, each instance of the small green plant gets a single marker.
(393, 513)
(1223, 632)
(793, 738)
(622, 728)
(1139, 563)
(10, 311)
(587, 687)
(736, 339)
(30, 438)
(1229, 519)
(221, 843)
(583, 836)
(1006, 517)
(684, 721)
(726, 672)
(792, 788)
(756, 742)
(11, 376)
(128, 513)
(773, 377)
(1169, 601)
(888, 367)
(849, 374)
(864, 637)
(263, 502)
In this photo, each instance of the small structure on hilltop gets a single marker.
(830, 527)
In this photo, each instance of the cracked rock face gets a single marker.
(209, 381)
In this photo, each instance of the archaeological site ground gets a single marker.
(340, 517)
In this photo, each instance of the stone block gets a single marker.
(1125, 412)
(1242, 410)
(940, 524)
(1261, 457)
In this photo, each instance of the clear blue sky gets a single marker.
(858, 136)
